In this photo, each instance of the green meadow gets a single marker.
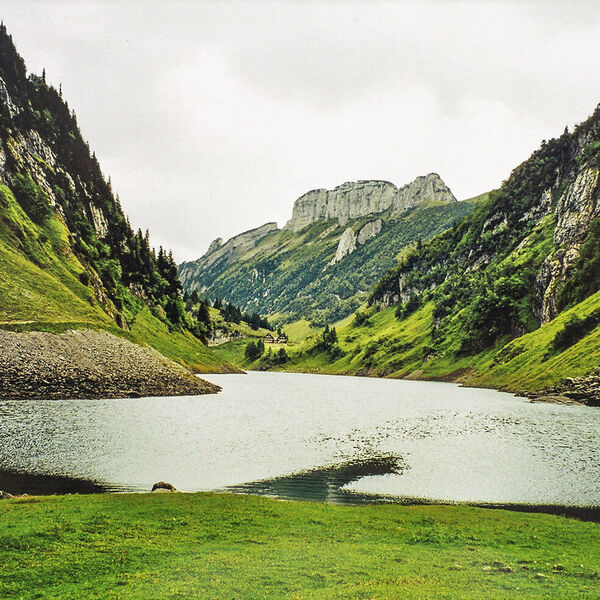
(227, 546)
(41, 290)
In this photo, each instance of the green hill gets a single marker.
(68, 255)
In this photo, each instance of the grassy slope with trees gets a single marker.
(287, 275)
(57, 269)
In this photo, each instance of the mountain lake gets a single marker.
(345, 440)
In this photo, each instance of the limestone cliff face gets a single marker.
(362, 198)
(578, 205)
(224, 254)
(349, 241)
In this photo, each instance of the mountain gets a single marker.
(69, 258)
(507, 297)
(328, 256)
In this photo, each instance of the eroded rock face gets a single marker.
(346, 245)
(578, 205)
(369, 231)
(6, 101)
(426, 188)
(361, 198)
(350, 240)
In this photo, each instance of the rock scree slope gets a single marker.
(88, 364)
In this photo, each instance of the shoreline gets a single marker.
(34, 485)
(556, 394)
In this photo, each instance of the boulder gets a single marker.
(163, 486)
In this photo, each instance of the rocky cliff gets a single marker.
(363, 198)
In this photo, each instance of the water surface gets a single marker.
(340, 439)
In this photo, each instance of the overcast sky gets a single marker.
(212, 117)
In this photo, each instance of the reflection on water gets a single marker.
(325, 484)
(25, 483)
(283, 434)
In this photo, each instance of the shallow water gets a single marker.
(339, 439)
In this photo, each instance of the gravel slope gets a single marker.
(88, 364)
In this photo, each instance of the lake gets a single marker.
(327, 438)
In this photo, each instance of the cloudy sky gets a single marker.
(213, 117)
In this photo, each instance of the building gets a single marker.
(269, 339)
(281, 339)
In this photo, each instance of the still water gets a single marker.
(340, 439)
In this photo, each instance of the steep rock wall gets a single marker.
(362, 198)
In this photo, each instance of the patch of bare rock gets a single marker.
(572, 390)
(88, 364)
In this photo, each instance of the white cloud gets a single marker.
(212, 117)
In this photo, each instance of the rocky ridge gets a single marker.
(224, 254)
(362, 198)
(347, 202)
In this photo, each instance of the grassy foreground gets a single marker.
(225, 546)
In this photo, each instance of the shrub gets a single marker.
(31, 197)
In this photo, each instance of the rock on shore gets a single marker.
(579, 390)
(88, 364)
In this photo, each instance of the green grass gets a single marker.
(297, 331)
(232, 352)
(39, 273)
(180, 346)
(530, 363)
(225, 546)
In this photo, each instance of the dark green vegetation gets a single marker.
(471, 268)
(225, 546)
(287, 275)
(68, 255)
(225, 317)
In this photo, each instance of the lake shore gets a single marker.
(578, 391)
(28, 485)
(88, 364)
(228, 546)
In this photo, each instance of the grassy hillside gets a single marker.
(41, 289)
(225, 546)
(68, 255)
(387, 346)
